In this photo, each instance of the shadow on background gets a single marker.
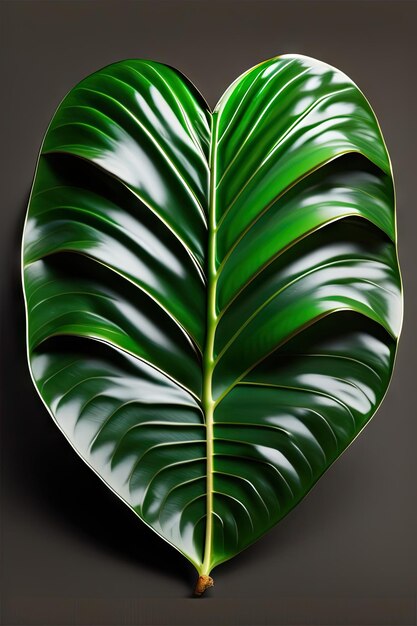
(44, 469)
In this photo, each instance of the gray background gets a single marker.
(71, 552)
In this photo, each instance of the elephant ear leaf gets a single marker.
(213, 298)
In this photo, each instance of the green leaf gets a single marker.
(213, 298)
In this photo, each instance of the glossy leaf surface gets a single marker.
(213, 298)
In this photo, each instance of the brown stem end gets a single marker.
(203, 583)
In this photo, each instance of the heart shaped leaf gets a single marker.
(213, 298)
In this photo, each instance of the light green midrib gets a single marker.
(208, 353)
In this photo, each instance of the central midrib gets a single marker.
(208, 353)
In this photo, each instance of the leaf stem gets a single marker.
(202, 584)
(208, 354)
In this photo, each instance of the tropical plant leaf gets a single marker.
(213, 298)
